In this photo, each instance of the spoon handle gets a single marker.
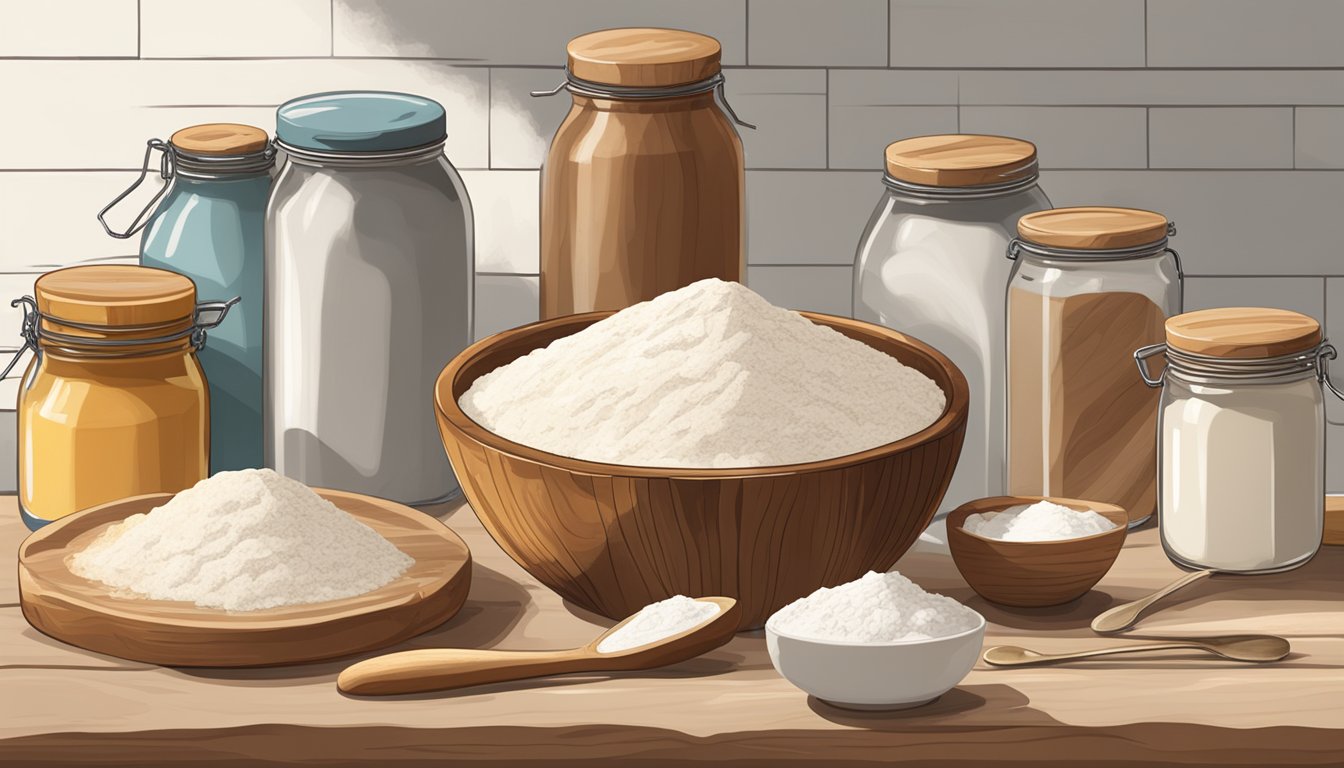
(441, 669)
(1013, 656)
(1125, 616)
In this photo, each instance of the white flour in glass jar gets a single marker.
(710, 375)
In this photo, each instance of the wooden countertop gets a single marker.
(61, 705)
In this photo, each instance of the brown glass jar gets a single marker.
(642, 189)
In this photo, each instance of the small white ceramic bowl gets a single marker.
(896, 675)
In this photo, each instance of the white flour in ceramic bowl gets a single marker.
(877, 608)
(711, 375)
(1042, 521)
(243, 541)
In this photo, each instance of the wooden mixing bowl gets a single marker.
(615, 538)
(1033, 574)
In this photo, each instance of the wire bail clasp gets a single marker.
(28, 331)
(1141, 356)
(200, 326)
(581, 87)
(1324, 354)
(166, 167)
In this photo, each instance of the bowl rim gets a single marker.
(1102, 508)
(954, 413)
(981, 625)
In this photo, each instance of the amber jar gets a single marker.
(114, 403)
(642, 189)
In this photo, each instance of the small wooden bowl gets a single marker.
(1033, 574)
(614, 538)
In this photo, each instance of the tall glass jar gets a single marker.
(642, 189)
(1090, 286)
(113, 403)
(368, 293)
(208, 226)
(930, 264)
(1242, 438)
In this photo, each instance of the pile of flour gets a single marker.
(1042, 521)
(711, 375)
(656, 621)
(877, 608)
(243, 541)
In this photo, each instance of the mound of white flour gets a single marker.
(879, 607)
(711, 375)
(243, 541)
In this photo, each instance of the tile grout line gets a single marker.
(1294, 128)
(137, 28)
(489, 109)
(1145, 34)
(331, 28)
(889, 36)
(828, 119)
(746, 33)
(1148, 136)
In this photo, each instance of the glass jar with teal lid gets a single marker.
(207, 223)
(369, 274)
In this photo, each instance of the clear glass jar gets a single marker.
(369, 276)
(1081, 425)
(1241, 442)
(930, 264)
(114, 402)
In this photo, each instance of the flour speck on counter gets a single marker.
(243, 541)
(710, 375)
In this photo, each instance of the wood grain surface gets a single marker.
(1334, 520)
(1093, 227)
(220, 139)
(66, 706)
(116, 295)
(613, 538)
(87, 613)
(1243, 332)
(639, 197)
(1081, 422)
(643, 56)
(960, 160)
(1033, 574)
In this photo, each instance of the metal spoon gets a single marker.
(1256, 648)
(441, 669)
(1122, 617)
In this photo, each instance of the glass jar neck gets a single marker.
(921, 192)
(427, 153)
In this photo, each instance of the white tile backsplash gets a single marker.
(1256, 85)
(1319, 139)
(808, 217)
(788, 108)
(519, 32)
(204, 29)
(1069, 137)
(505, 207)
(68, 28)
(817, 33)
(1017, 33)
(1221, 137)
(1245, 33)
(816, 289)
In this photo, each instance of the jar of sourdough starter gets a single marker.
(208, 225)
(930, 264)
(1242, 438)
(369, 276)
(1090, 286)
(642, 189)
(114, 402)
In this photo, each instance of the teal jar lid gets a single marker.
(360, 121)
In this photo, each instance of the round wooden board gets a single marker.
(85, 613)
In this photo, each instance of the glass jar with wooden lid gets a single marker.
(113, 403)
(1241, 438)
(642, 189)
(1090, 285)
(930, 263)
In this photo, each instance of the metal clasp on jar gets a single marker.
(1244, 370)
(604, 91)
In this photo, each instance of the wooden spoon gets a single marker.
(1256, 648)
(441, 669)
(1122, 617)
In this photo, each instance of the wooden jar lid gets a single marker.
(1093, 228)
(1243, 333)
(960, 160)
(643, 57)
(220, 139)
(116, 296)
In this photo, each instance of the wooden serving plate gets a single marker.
(74, 610)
